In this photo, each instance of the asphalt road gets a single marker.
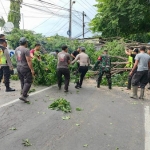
(110, 120)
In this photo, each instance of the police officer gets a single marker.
(5, 64)
(24, 68)
(105, 67)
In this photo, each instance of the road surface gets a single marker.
(110, 120)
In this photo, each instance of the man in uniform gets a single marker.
(5, 64)
(105, 67)
(62, 67)
(142, 63)
(24, 68)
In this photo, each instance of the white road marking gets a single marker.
(16, 100)
(147, 128)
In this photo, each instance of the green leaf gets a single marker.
(66, 118)
(26, 142)
(32, 90)
(86, 145)
(61, 104)
(13, 128)
(77, 124)
(78, 109)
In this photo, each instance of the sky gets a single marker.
(50, 19)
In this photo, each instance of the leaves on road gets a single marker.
(78, 109)
(32, 90)
(66, 118)
(26, 142)
(77, 124)
(61, 104)
(12, 128)
(77, 91)
(86, 145)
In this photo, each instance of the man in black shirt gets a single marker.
(132, 54)
(75, 53)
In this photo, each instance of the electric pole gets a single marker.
(70, 20)
(83, 23)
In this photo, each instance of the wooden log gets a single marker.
(123, 58)
(121, 69)
(119, 63)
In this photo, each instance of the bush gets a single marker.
(45, 70)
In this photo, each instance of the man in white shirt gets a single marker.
(84, 62)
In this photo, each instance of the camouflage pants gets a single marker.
(108, 76)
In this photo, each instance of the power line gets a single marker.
(46, 19)
(59, 7)
(90, 5)
(86, 8)
(60, 28)
(58, 21)
(82, 34)
(44, 10)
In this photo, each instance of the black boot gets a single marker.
(77, 85)
(109, 86)
(9, 89)
(98, 84)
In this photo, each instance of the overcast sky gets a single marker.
(44, 21)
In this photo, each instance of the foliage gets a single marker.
(61, 104)
(14, 77)
(140, 37)
(26, 142)
(121, 18)
(32, 38)
(117, 80)
(115, 48)
(78, 109)
(56, 42)
(14, 13)
(45, 70)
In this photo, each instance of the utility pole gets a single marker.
(83, 23)
(22, 21)
(70, 20)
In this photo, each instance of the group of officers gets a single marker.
(138, 75)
